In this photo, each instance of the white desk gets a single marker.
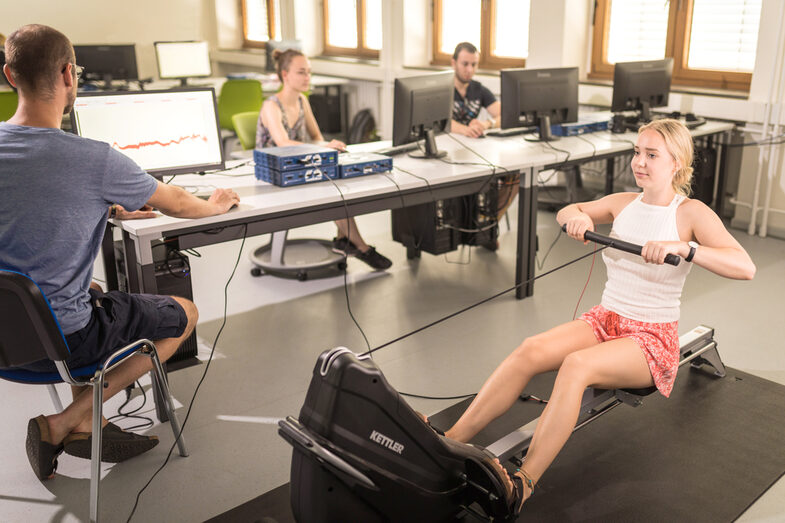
(266, 208)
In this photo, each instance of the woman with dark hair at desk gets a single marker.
(286, 119)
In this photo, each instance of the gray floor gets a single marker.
(277, 328)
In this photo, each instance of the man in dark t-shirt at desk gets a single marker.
(470, 95)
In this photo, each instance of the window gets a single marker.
(353, 28)
(261, 21)
(499, 29)
(712, 42)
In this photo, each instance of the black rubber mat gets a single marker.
(705, 454)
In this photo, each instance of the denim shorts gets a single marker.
(119, 318)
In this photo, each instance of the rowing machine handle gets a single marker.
(615, 243)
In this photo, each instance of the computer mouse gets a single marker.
(481, 136)
(690, 117)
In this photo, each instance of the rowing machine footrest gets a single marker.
(486, 491)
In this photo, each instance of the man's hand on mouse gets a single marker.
(224, 199)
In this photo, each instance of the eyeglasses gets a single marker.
(78, 69)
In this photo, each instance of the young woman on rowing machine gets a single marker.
(631, 339)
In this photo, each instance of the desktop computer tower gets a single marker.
(441, 226)
(173, 278)
(327, 107)
(427, 227)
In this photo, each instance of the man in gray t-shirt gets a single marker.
(55, 193)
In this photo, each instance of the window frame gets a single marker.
(676, 46)
(487, 38)
(361, 51)
(272, 31)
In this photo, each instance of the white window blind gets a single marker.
(724, 35)
(373, 24)
(460, 23)
(256, 21)
(342, 20)
(511, 24)
(638, 30)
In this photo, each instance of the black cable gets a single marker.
(204, 374)
(148, 422)
(222, 172)
(553, 243)
(345, 270)
(485, 300)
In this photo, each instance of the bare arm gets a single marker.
(273, 120)
(310, 121)
(175, 201)
(718, 250)
(495, 110)
(581, 217)
(465, 130)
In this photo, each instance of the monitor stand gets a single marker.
(431, 151)
(544, 130)
(183, 82)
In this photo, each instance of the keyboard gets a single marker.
(510, 132)
(398, 149)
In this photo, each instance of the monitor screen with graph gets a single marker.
(165, 132)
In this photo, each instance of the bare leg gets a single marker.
(77, 417)
(348, 228)
(535, 355)
(618, 363)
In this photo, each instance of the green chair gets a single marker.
(238, 96)
(8, 103)
(245, 126)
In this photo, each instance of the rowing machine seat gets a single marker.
(361, 453)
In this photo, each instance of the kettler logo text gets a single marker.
(384, 441)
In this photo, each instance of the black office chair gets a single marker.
(29, 332)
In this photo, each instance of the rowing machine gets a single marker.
(362, 454)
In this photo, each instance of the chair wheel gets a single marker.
(302, 275)
(256, 272)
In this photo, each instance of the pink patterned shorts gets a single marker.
(659, 342)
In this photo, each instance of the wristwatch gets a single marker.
(693, 248)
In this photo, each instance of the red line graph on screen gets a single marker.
(176, 141)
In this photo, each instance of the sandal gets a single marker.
(520, 484)
(425, 420)
(41, 454)
(117, 445)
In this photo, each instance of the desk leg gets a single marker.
(141, 279)
(610, 174)
(527, 234)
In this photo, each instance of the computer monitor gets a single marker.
(104, 63)
(639, 86)
(422, 108)
(539, 97)
(165, 132)
(182, 60)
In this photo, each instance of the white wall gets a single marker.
(140, 22)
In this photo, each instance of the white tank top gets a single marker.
(635, 289)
